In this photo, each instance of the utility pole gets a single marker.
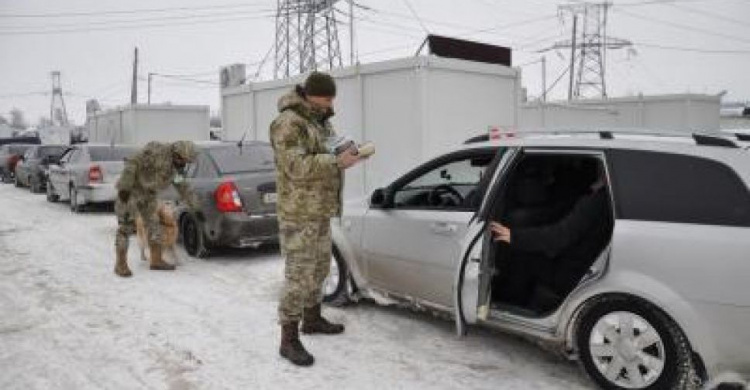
(150, 75)
(134, 86)
(306, 37)
(544, 79)
(588, 45)
(351, 31)
(57, 105)
(572, 57)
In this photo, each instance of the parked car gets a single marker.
(236, 186)
(87, 173)
(654, 297)
(9, 156)
(31, 170)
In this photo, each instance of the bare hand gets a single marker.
(347, 158)
(500, 232)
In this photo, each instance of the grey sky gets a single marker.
(92, 44)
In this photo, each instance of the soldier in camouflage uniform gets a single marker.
(149, 171)
(309, 185)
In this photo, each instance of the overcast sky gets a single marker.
(700, 46)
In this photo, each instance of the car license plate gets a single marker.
(269, 197)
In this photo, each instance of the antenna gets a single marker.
(306, 37)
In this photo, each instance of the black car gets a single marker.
(236, 186)
(31, 170)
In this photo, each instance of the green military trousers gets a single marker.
(143, 205)
(307, 249)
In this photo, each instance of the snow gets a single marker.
(68, 322)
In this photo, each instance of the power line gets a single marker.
(682, 26)
(110, 23)
(134, 11)
(693, 49)
(709, 14)
(129, 27)
(416, 16)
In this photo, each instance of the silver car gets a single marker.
(649, 289)
(87, 173)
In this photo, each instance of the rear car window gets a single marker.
(54, 151)
(251, 158)
(666, 187)
(110, 154)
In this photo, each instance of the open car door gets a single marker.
(473, 281)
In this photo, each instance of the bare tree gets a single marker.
(17, 120)
(43, 122)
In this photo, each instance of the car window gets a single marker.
(204, 167)
(251, 158)
(448, 185)
(54, 151)
(75, 156)
(667, 187)
(107, 153)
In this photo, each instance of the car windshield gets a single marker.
(250, 158)
(17, 149)
(108, 153)
(54, 151)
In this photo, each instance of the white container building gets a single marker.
(686, 112)
(412, 109)
(141, 123)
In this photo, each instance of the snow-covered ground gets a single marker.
(67, 322)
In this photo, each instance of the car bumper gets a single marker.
(240, 230)
(98, 193)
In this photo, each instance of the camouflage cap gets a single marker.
(185, 149)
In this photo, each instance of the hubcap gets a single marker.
(332, 280)
(627, 350)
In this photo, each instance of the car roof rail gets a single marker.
(477, 138)
(712, 140)
(743, 137)
(606, 135)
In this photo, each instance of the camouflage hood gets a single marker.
(294, 101)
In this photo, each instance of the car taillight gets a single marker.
(95, 174)
(228, 198)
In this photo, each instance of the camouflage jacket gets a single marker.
(308, 180)
(151, 170)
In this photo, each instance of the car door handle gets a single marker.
(443, 228)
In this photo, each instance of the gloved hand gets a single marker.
(123, 195)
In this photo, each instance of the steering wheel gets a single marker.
(435, 197)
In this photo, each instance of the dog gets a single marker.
(169, 233)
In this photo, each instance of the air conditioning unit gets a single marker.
(232, 75)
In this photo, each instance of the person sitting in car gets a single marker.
(556, 255)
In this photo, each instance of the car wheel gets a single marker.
(75, 202)
(52, 197)
(630, 344)
(336, 286)
(192, 238)
(34, 185)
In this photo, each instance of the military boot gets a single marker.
(291, 348)
(157, 263)
(121, 263)
(313, 322)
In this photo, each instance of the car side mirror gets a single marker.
(381, 199)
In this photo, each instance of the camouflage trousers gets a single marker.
(307, 249)
(145, 206)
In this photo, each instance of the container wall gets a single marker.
(167, 125)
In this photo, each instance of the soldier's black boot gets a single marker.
(313, 322)
(291, 348)
(121, 263)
